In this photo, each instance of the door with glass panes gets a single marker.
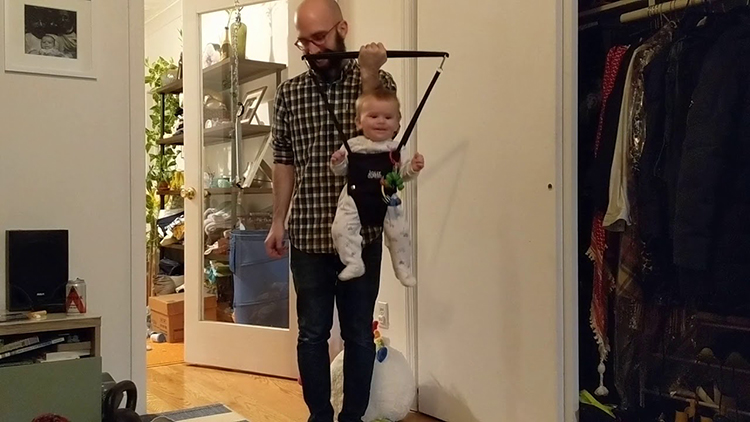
(238, 312)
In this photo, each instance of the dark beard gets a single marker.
(331, 70)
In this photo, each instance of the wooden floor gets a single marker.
(259, 399)
(161, 354)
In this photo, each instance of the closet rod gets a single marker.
(608, 7)
(658, 9)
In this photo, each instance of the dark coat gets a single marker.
(712, 208)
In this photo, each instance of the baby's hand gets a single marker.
(338, 157)
(417, 163)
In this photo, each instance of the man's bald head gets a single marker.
(321, 28)
(320, 25)
(319, 11)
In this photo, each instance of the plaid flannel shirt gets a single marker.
(305, 136)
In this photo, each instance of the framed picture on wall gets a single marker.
(251, 103)
(51, 37)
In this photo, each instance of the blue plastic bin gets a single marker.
(261, 283)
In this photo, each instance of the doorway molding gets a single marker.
(567, 155)
(137, 101)
(409, 103)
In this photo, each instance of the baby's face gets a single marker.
(379, 119)
(48, 43)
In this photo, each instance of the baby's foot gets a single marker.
(352, 271)
(406, 279)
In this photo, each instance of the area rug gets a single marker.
(210, 413)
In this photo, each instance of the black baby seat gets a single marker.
(365, 171)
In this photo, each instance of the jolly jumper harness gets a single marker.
(372, 179)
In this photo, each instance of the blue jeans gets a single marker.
(317, 286)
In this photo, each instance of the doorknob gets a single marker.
(188, 193)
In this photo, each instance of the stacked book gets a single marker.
(33, 349)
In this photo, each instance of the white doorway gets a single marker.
(264, 316)
(491, 214)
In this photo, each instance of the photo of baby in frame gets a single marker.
(50, 32)
(50, 37)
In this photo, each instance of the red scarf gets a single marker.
(603, 280)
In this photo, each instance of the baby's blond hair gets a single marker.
(380, 94)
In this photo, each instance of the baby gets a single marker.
(378, 117)
(48, 47)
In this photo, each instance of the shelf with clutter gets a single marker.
(220, 72)
(699, 358)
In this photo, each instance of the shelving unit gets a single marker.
(212, 256)
(697, 363)
(35, 384)
(220, 134)
(220, 73)
(246, 191)
(693, 400)
(703, 324)
(215, 76)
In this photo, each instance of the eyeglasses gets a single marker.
(317, 39)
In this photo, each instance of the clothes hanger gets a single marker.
(669, 21)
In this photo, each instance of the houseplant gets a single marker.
(162, 159)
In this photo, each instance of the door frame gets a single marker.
(136, 53)
(568, 156)
(409, 103)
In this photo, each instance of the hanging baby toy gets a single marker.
(392, 181)
(375, 172)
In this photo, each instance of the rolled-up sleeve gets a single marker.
(387, 80)
(281, 131)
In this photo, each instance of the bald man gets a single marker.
(304, 138)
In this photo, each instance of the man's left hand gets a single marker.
(372, 57)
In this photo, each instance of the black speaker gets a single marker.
(36, 269)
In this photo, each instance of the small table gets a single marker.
(69, 388)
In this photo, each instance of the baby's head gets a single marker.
(48, 42)
(379, 114)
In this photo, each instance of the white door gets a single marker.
(238, 312)
(489, 210)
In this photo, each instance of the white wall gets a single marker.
(382, 21)
(162, 34)
(65, 162)
(162, 39)
(490, 320)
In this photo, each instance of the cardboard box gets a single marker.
(168, 314)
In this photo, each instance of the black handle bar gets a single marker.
(393, 54)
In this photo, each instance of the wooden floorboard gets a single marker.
(257, 398)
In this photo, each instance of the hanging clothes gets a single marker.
(669, 83)
(711, 228)
(602, 285)
(591, 60)
(632, 133)
(686, 61)
(604, 145)
(669, 191)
